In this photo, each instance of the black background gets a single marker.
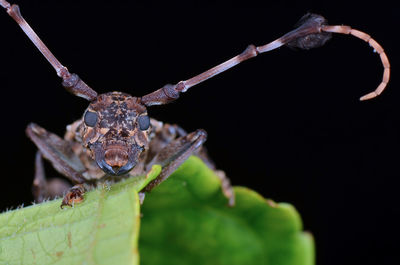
(287, 124)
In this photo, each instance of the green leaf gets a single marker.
(101, 230)
(186, 220)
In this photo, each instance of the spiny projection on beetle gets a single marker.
(116, 138)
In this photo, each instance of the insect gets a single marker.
(116, 138)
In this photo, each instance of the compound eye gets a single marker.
(144, 122)
(90, 118)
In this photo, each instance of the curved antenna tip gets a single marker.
(369, 96)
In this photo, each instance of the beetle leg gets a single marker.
(60, 154)
(176, 152)
(165, 134)
(58, 151)
(227, 189)
(39, 187)
(43, 188)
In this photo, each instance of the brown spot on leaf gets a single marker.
(59, 254)
(69, 236)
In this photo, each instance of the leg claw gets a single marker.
(74, 195)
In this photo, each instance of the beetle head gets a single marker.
(115, 129)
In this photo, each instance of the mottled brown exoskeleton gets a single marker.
(116, 138)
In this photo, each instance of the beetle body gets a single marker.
(115, 138)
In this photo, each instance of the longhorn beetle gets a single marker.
(116, 138)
